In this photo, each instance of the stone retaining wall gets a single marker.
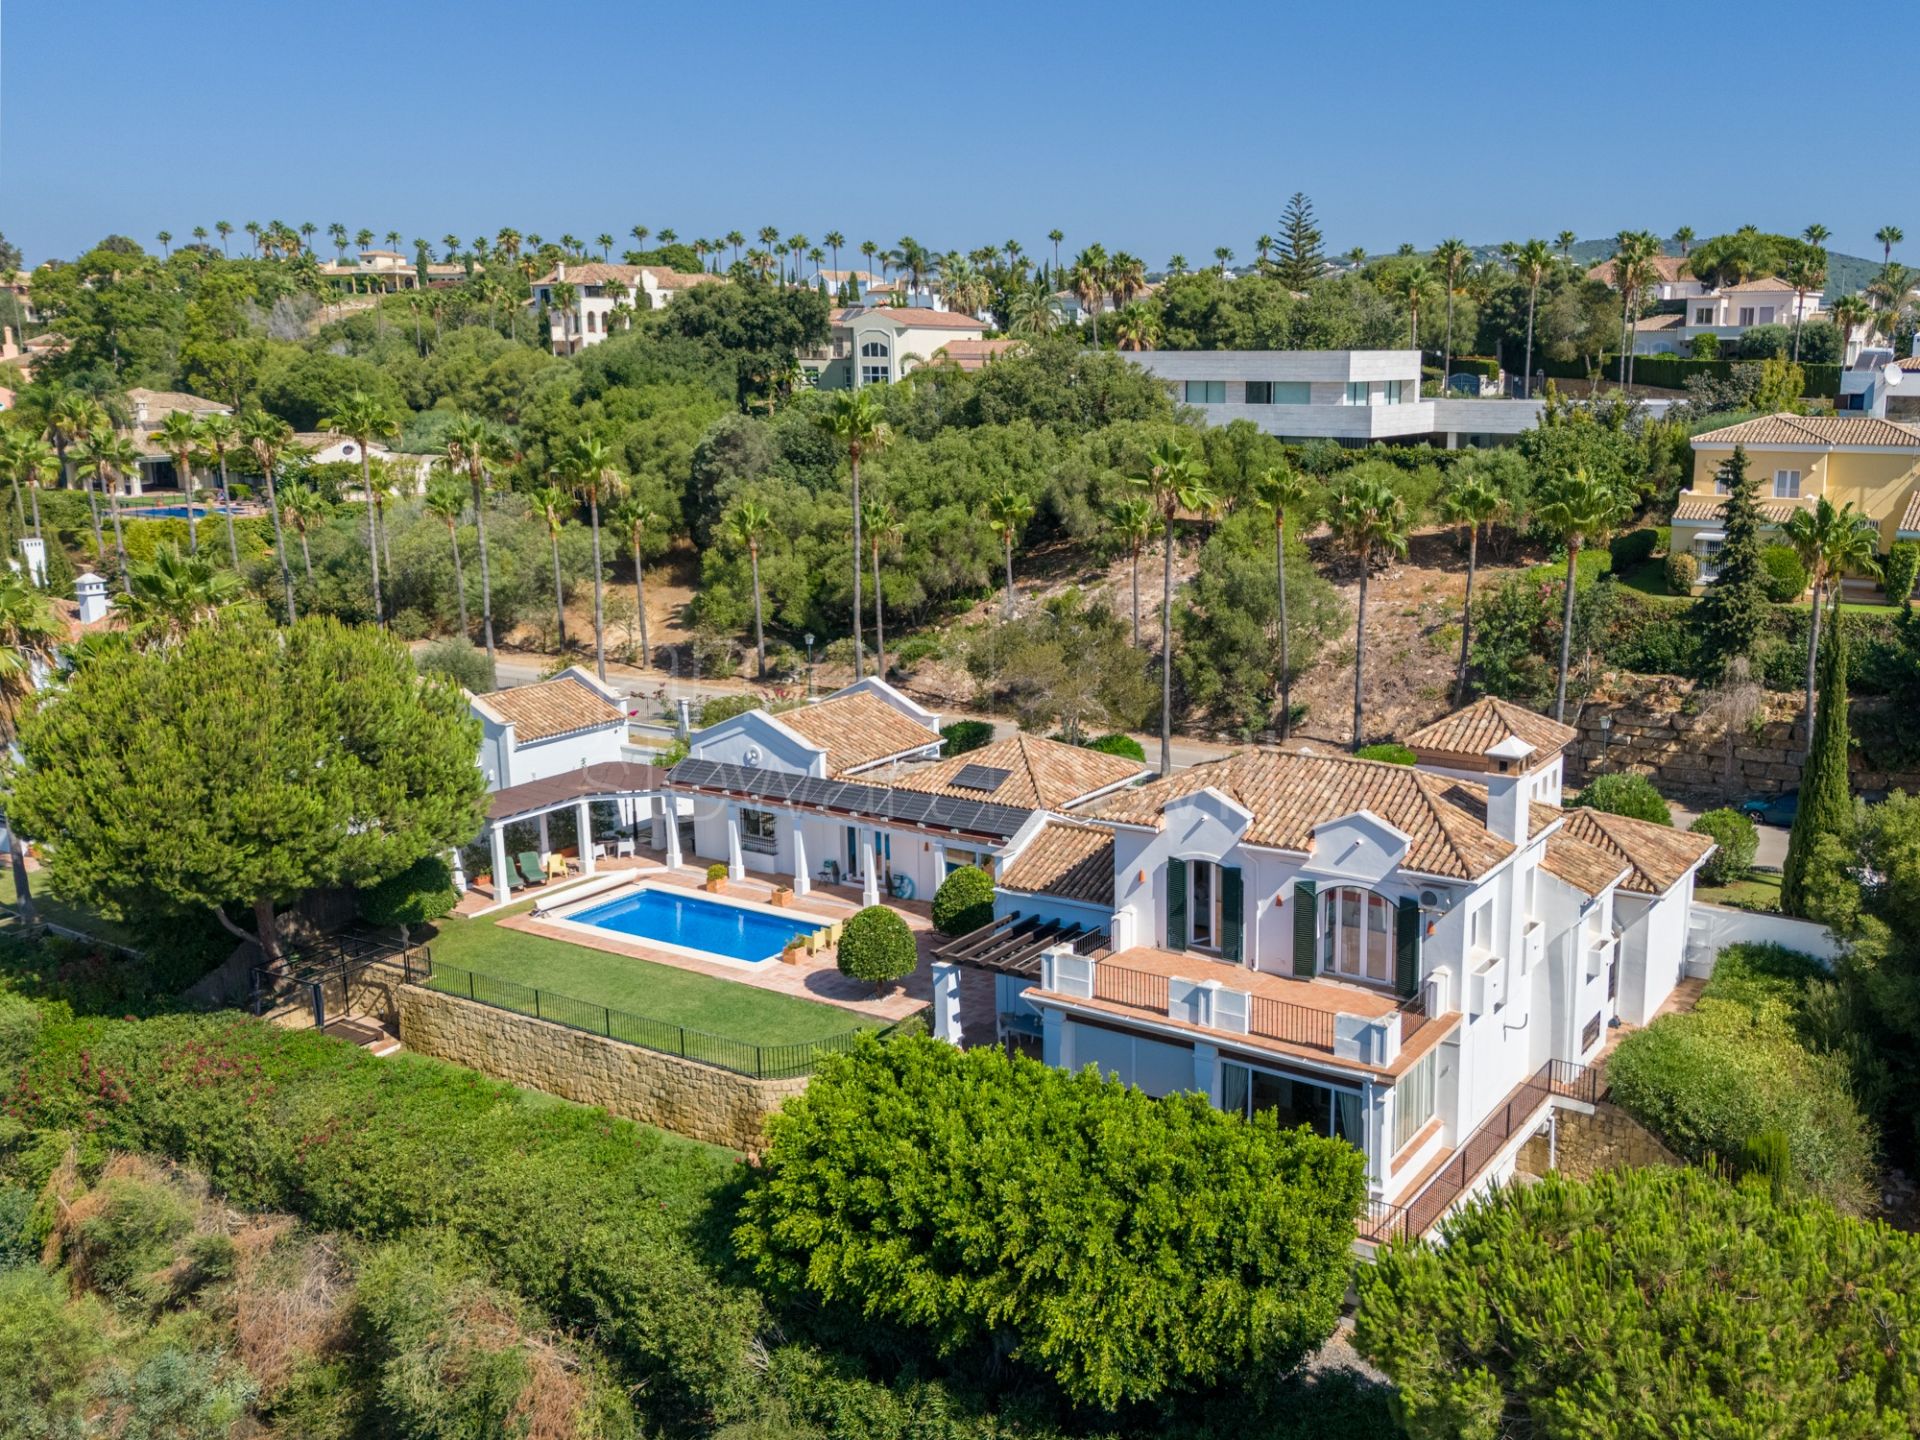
(1585, 1145)
(1657, 730)
(698, 1101)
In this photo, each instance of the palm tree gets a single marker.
(28, 460)
(589, 467)
(1284, 491)
(1367, 515)
(446, 501)
(605, 242)
(224, 229)
(70, 416)
(1452, 256)
(1471, 501)
(1132, 520)
(471, 443)
(1056, 236)
(173, 594)
(1531, 262)
(1849, 312)
(1804, 273)
(1136, 328)
(1563, 242)
(105, 457)
(165, 237)
(1816, 235)
(1032, 311)
(552, 503)
(1088, 281)
(744, 525)
(1633, 272)
(855, 420)
(1888, 236)
(1221, 255)
(303, 507)
(636, 518)
(363, 419)
(1176, 264)
(269, 438)
(1830, 540)
(179, 436)
(1413, 286)
(1582, 510)
(1683, 237)
(1007, 511)
(880, 524)
(30, 633)
(218, 438)
(1174, 482)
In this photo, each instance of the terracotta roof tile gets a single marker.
(1769, 284)
(1660, 322)
(601, 272)
(1823, 430)
(1667, 266)
(1485, 723)
(1587, 868)
(1042, 774)
(1074, 862)
(918, 318)
(1290, 793)
(974, 354)
(563, 705)
(1910, 517)
(1909, 363)
(1709, 507)
(857, 731)
(1656, 855)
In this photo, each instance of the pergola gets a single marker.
(536, 799)
(1011, 945)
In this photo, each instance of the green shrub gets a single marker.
(1760, 976)
(127, 1234)
(1130, 1248)
(1710, 1079)
(717, 871)
(725, 707)
(1551, 1303)
(876, 946)
(1682, 571)
(1119, 744)
(1388, 751)
(1632, 548)
(418, 895)
(1738, 839)
(914, 649)
(1706, 347)
(1899, 568)
(1784, 577)
(1625, 794)
(964, 901)
(19, 1029)
(964, 735)
(1765, 342)
(461, 661)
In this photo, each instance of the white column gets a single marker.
(869, 871)
(736, 862)
(802, 881)
(1378, 1102)
(502, 890)
(673, 834)
(939, 865)
(946, 1001)
(459, 871)
(546, 844)
(659, 821)
(583, 822)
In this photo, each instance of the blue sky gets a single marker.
(1152, 128)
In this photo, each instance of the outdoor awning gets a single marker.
(1014, 945)
(616, 780)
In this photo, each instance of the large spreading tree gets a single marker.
(244, 767)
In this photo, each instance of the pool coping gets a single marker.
(559, 917)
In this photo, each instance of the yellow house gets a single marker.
(1874, 464)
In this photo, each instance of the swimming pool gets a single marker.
(690, 922)
(172, 512)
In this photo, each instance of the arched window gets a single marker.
(874, 350)
(874, 369)
(590, 322)
(1356, 935)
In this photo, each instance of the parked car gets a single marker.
(1772, 809)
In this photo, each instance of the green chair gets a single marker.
(527, 862)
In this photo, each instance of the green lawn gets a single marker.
(59, 913)
(1759, 891)
(658, 992)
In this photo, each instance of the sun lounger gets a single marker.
(527, 862)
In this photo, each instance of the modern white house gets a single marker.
(600, 287)
(1356, 397)
(1418, 959)
(878, 344)
(551, 727)
(1879, 383)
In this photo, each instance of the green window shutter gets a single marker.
(1306, 928)
(1176, 904)
(1233, 914)
(1407, 949)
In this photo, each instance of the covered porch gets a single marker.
(635, 794)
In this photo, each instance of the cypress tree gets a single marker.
(1825, 805)
(1733, 610)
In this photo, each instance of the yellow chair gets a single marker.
(556, 866)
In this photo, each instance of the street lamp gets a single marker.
(809, 665)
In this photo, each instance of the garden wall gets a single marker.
(698, 1101)
(1587, 1144)
(1657, 731)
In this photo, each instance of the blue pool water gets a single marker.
(170, 512)
(697, 924)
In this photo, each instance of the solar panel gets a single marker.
(981, 777)
(947, 812)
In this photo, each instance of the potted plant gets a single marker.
(716, 878)
(794, 952)
(783, 895)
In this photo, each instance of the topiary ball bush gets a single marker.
(1624, 794)
(1388, 751)
(1682, 571)
(1785, 576)
(1738, 839)
(964, 901)
(717, 871)
(877, 947)
(964, 735)
(418, 895)
(1118, 744)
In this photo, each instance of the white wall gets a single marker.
(1715, 927)
(566, 753)
(755, 739)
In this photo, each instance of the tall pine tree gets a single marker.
(1825, 805)
(1731, 613)
(1297, 258)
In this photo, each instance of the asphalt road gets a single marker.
(1772, 852)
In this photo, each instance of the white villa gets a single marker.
(878, 344)
(1357, 397)
(598, 288)
(1726, 313)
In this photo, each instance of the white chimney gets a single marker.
(35, 553)
(139, 411)
(560, 271)
(91, 591)
(1507, 789)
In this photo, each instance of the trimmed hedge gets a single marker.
(1625, 794)
(1632, 548)
(1785, 577)
(964, 901)
(1671, 372)
(877, 947)
(964, 735)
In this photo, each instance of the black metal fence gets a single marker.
(742, 1057)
